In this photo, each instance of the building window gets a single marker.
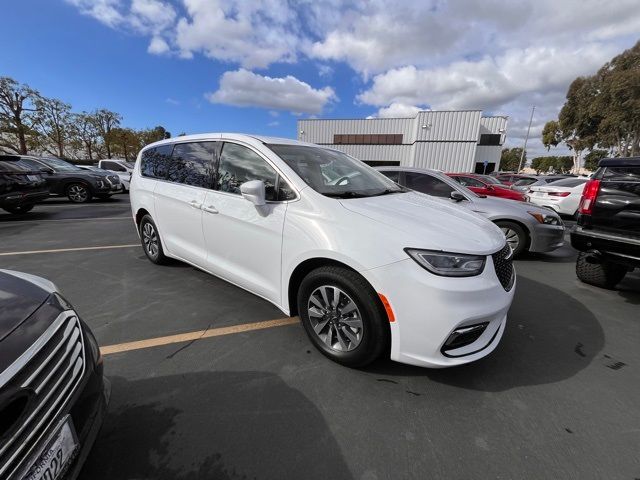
(378, 139)
(492, 139)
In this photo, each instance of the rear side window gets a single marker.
(428, 184)
(568, 182)
(155, 161)
(116, 167)
(193, 164)
(239, 164)
(622, 174)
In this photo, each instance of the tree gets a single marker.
(601, 110)
(592, 158)
(551, 134)
(125, 142)
(54, 124)
(17, 116)
(510, 159)
(106, 121)
(85, 134)
(540, 164)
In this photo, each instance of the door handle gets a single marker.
(195, 204)
(210, 209)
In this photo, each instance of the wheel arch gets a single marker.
(521, 224)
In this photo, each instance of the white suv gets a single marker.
(369, 266)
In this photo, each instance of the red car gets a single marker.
(508, 178)
(486, 185)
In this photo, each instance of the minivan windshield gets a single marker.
(333, 173)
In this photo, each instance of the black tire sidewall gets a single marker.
(375, 332)
(161, 258)
(603, 275)
(522, 235)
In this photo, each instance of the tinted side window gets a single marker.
(622, 174)
(240, 164)
(391, 175)
(193, 164)
(428, 184)
(116, 167)
(469, 182)
(155, 161)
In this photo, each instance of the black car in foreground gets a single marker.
(21, 187)
(66, 179)
(53, 396)
(608, 230)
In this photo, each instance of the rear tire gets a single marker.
(20, 209)
(351, 329)
(516, 236)
(150, 240)
(78, 193)
(604, 275)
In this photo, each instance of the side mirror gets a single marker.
(490, 187)
(253, 190)
(48, 171)
(457, 196)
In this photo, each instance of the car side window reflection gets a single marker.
(239, 164)
(428, 184)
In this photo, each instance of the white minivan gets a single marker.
(369, 266)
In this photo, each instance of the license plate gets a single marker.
(53, 460)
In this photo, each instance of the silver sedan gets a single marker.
(525, 226)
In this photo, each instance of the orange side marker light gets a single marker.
(387, 307)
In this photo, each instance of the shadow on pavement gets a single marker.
(549, 337)
(213, 425)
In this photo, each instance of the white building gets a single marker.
(452, 141)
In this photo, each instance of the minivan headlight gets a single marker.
(448, 264)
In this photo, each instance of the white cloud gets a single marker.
(275, 123)
(172, 101)
(105, 11)
(487, 83)
(244, 89)
(158, 46)
(252, 34)
(396, 110)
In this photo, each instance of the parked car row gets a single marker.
(26, 181)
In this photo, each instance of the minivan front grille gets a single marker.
(50, 371)
(503, 265)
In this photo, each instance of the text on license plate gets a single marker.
(57, 453)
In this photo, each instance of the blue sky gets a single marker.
(257, 66)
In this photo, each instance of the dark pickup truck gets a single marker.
(608, 230)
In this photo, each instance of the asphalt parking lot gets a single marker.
(559, 398)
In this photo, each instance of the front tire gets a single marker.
(604, 275)
(78, 193)
(343, 316)
(19, 210)
(515, 235)
(151, 243)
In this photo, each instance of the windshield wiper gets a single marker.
(387, 191)
(344, 195)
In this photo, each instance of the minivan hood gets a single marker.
(431, 223)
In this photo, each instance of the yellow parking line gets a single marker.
(61, 250)
(191, 336)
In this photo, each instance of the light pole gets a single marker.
(526, 139)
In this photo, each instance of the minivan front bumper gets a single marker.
(428, 309)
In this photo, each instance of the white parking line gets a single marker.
(92, 219)
(63, 250)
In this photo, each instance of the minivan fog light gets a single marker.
(448, 264)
